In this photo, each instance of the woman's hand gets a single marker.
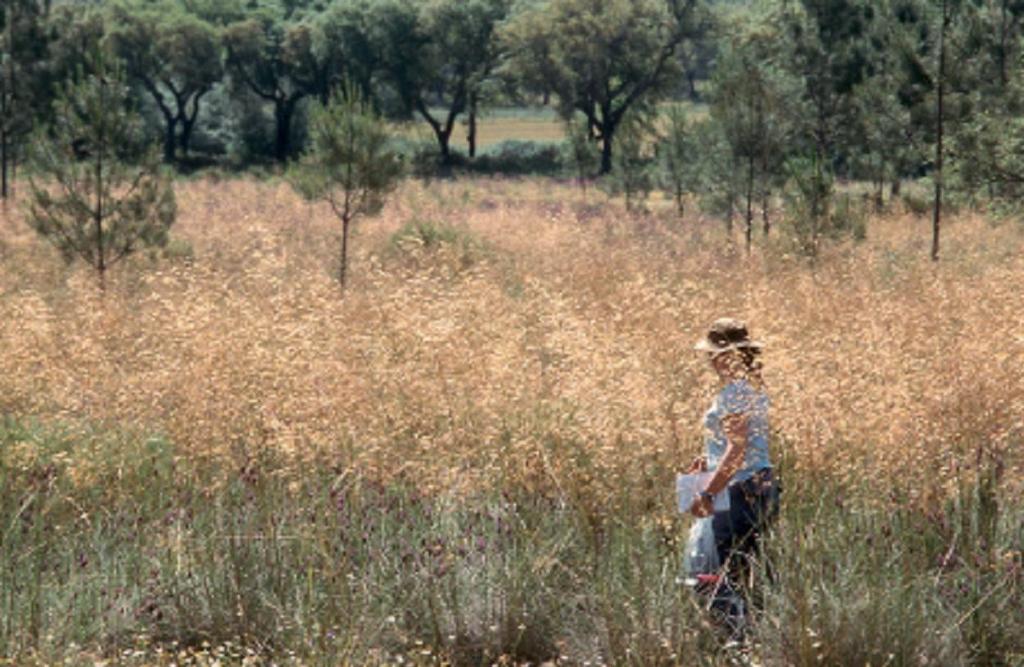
(702, 506)
(700, 464)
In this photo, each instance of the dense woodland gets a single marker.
(799, 93)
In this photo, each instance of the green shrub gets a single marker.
(423, 242)
(176, 251)
(916, 204)
(849, 218)
(519, 158)
(634, 164)
(816, 213)
(512, 157)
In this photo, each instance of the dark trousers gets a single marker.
(753, 507)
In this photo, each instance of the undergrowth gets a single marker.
(115, 546)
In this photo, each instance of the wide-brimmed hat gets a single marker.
(727, 334)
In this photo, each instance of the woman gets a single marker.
(736, 441)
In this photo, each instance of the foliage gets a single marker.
(275, 59)
(580, 151)
(634, 163)
(98, 194)
(75, 32)
(825, 46)
(176, 58)
(518, 158)
(986, 147)
(601, 57)
(458, 55)
(815, 212)
(885, 91)
(23, 44)
(751, 103)
(678, 154)
(719, 175)
(349, 163)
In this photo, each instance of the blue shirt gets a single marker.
(739, 397)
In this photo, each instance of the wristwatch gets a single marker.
(707, 495)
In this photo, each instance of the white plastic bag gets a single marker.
(701, 554)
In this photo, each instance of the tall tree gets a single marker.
(634, 174)
(750, 103)
(176, 58)
(601, 57)
(348, 163)
(990, 144)
(678, 156)
(824, 44)
(718, 173)
(1001, 24)
(698, 52)
(99, 195)
(436, 56)
(278, 61)
(947, 61)
(893, 120)
(22, 54)
(74, 33)
(347, 37)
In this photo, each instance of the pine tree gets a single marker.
(348, 162)
(97, 193)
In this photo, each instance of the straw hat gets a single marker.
(727, 334)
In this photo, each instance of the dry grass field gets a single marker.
(502, 334)
(443, 359)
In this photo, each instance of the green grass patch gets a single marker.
(145, 553)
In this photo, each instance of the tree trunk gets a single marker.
(939, 127)
(283, 110)
(444, 144)
(765, 206)
(4, 157)
(343, 268)
(471, 132)
(606, 151)
(750, 203)
(13, 177)
(443, 133)
(169, 140)
(188, 121)
(101, 259)
(895, 187)
(1003, 31)
(187, 126)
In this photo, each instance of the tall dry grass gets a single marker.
(563, 321)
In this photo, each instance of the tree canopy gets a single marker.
(601, 57)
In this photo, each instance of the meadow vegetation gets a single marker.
(468, 456)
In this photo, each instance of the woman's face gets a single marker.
(723, 362)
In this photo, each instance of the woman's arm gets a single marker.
(735, 427)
